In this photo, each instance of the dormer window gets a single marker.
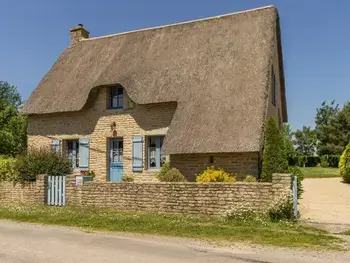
(116, 97)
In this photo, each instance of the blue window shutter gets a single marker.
(84, 153)
(137, 155)
(56, 146)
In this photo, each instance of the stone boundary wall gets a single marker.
(24, 193)
(189, 198)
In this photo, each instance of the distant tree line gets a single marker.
(327, 140)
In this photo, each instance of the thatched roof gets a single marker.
(217, 70)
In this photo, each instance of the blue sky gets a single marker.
(315, 35)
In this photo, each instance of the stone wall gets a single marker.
(24, 193)
(189, 198)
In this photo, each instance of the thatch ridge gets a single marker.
(215, 69)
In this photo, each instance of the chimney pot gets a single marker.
(78, 33)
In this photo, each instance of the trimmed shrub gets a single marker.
(8, 169)
(172, 175)
(302, 160)
(274, 159)
(312, 161)
(344, 165)
(127, 178)
(250, 179)
(163, 170)
(42, 161)
(215, 175)
(309, 161)
(333, 160)
(324, 161)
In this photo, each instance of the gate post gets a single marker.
(41, 189)
(295, 196)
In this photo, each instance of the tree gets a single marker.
(13, 126)
(288, 142)
(274, 155)
(305, 141)
(332, 128)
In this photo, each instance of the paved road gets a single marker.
(28, 243)
(325, 201)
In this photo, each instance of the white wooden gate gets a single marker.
(56, 190)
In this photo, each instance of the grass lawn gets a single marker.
(320, 172)
(207, 228)
(347, 233)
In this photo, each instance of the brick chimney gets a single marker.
(78, 33)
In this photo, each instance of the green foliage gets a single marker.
(8, 169)
(88, 173)
(330, 161)
(13, 126)
(215, 175)
(344, 165)
(250, 179)
(302, 160)
(324, 161)
(274, 155)
(127, 178)
(312, 161)
(305, 141)
(296, 171)
(288, 142)
(332, 128)
(282, 210)
(172, 175)
(163, 170)
(42, 161)
(333, 160)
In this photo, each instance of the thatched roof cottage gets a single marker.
(197, 93)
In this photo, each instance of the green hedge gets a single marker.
(344, 165)
(313, 161)
(8, 169)
(37, 161)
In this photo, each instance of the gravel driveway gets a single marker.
(326, 201)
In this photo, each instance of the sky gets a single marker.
(315, 39)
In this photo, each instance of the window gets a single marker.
(116, 98)
(72, 151)
(117, 151)
(56, 146)
(155, 155)
(274, 89)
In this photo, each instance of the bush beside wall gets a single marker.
(344, 165)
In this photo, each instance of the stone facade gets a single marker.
(240, 164)
(24, 193)
(95, 122)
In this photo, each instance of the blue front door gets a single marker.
(115, 160)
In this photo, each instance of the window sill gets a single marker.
(110, 108)
(118, 109)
